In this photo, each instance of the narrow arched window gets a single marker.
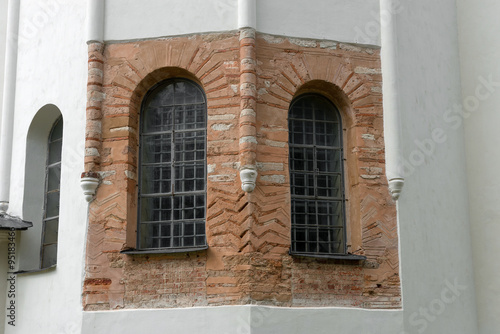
(172, 181)
(316, 177)
(52, 184)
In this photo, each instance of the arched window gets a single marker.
(38, 245)
(316, 177)
(51, 207)
(172, 180)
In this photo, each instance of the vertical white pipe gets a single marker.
(9, 101)
(95, 21)
(247, 14)
(392, 126)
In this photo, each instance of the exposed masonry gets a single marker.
(248, 102)
(249, 80)
(95, 97)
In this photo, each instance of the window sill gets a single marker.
(163, 250)
(349, 257)
(34, 271)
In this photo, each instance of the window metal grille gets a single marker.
(172, 171)
(316, 177)
(52, 184)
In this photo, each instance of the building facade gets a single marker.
(248, 166)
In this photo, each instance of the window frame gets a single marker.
(45, 219)
(343, 254)
(153, 91)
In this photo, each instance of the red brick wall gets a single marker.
(248, 234)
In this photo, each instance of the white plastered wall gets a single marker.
(434, 230)
(244, 320)
(435, 244)
(480, 63)
(354, 21)
(53, 70)
(3, 44)
(132, 19)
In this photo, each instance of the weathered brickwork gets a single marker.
(248, 233)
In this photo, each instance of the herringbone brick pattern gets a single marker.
(248, 233)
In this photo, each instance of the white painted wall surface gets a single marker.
(53, 69)
(436, 260)
(132, 19)
(353, 21)
(244, 320)
(3, 41)
(480, 63)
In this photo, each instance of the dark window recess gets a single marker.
(52, 184)
(316, 177)
(172, 171)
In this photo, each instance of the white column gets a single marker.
(247, 14)
(392, 126)
(95, 21)
(9, 102)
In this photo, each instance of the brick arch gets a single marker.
(248, 234)
(332, 92)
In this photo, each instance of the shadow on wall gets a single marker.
(37, 148)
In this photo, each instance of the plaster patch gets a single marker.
(273, 39)
(130, 175)
(233, 165)
(273, 178)
(367, 70)
(222, 178)
(328, 45)
(303, 43)
(248, 139)
(262, 91)
(248, 112)
(349, 47)
(91, 152)
(221, 127)
(123, 128)
(269, 166)
(221, 117)
(106, 173)
(274, 143)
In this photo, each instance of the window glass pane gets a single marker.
(49, 255)
(329, 186)
(52, 204)
(327, 134)
(328, 160)
(316, 180)
(54, 177)
(190, 146)
(156, 209)
(55, 151)
(149, 235)
(156, 179)
(57, 131)
(50, 233)
(190, 177)
(173, 163)
(52, 184)
(157, 148)
(163, 97)
(189, 117)
(157, 119)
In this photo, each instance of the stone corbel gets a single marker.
(248, 177)
(89, 183)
